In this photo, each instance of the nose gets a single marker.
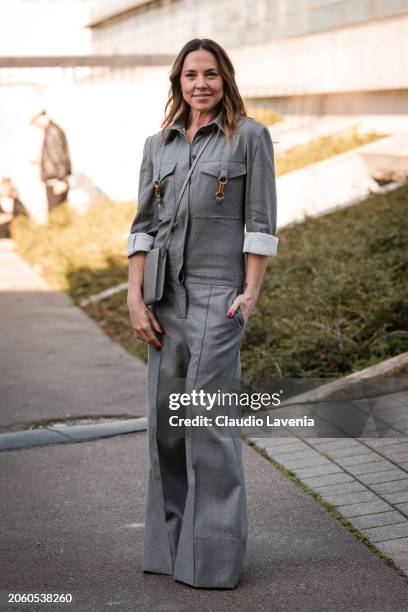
(201, 83)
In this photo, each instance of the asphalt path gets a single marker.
(72, 514)
(57, 363)
(72, 522)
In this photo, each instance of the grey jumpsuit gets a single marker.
(196, 522)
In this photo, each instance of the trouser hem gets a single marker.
(217, 563)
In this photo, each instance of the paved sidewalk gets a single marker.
(73, 514)
(56, 361)
(365, 478)
(73, 519)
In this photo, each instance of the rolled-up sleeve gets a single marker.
(260, 198)
(145, 224)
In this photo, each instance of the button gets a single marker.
(194, 156)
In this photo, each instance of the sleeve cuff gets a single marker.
(139, 242)
(260, 243)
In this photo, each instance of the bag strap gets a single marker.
(182, 190)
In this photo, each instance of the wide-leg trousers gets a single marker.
(196, 523)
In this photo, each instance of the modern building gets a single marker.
(101, 68)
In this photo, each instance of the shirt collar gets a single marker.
(179, 124)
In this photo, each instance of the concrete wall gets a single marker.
(368, 57)
(165, 25)
(358, 69)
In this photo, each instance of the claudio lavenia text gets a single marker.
(247, 421)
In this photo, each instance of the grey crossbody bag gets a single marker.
(155, 260)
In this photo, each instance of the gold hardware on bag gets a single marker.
(222, 181)
(157, 189)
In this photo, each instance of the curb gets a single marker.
(62, 434)
(379, 375)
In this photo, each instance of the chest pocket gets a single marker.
(166, 198)
(207, 203)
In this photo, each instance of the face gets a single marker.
(201, 82)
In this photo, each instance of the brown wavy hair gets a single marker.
(232, 104)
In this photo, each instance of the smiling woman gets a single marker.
(196, 516)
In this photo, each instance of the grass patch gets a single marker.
(265, 115)
(334, 301)
(322, 148)
(78, 253)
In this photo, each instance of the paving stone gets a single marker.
(316, 481)
(349, 452)
(383, 442)
(393, 546)
(350, 510)
(381, 477)
(367, 468)
(342, 499)
(306, 462)
(397, 457)
(291, 448)
(318, 470)
(387, 532)
(400, 560)
(359, 459)
(398, 447)
(396, 498)
(402, 508)
(390, 487)
(337, 445)
(300, 454)
(376, 520)
(345, 487)
(404, 465)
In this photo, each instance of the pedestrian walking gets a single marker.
(10, 206)
(54, 160)
(207, 193)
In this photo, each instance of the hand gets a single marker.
(246, 302)
(59, 187)
(144, 323)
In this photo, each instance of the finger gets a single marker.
(152, 339)
(156, 325)
(155, 343)
(232, 309)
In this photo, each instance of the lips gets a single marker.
(202, 96)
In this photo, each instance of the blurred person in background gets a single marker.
(10, 206)
(54, 160)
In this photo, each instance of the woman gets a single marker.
(196, 515)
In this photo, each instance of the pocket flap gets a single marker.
(166, 168)
(210, 167)
(235, 168)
